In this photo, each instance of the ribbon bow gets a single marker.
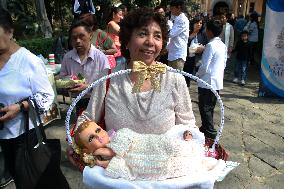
(148, 72)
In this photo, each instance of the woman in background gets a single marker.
(197, 40)
(113, 29)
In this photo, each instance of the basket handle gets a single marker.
(122, 72)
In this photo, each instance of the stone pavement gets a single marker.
(253, 135)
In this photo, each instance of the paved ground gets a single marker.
(253, 135)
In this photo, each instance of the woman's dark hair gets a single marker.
(6, 21)
(194, 21)
(137, 19)
(114, 10)
(78, 23)
(215, 26)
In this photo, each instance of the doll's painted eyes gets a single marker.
(91, 138)
(98, 130)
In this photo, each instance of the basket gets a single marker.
(214, 149)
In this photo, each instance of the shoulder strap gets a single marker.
(100, 41)
(102, 121)
(98, 38)
(108, 81)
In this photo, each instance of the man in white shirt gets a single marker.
(212, 72)
(177, 47)
(227, 35)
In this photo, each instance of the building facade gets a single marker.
(237, 7)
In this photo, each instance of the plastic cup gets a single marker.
(51, 59)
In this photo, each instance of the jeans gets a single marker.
(241, 69)
(207, 101)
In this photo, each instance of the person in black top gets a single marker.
(242, 58)
(196, 42)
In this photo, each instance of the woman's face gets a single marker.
(5, 37)
(94, 137)
(81, 39)
(197, 26)
(146, 43)
(118, 16)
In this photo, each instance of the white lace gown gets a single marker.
(156, 157)
(128, 171)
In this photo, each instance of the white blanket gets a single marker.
(95, 178)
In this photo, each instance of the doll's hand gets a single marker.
(187, 135)
(104, 152)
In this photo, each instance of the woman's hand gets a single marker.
(199, 49)
(10, 112)
(78, 87)
(74, 158)
(104, 152)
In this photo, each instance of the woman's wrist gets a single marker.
(23, 106)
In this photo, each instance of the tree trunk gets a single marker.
(3, 4)
(49, 11)
(42, 18)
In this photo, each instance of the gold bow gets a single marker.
(147, 72)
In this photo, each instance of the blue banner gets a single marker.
(272, 63)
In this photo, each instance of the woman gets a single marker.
(113, 28)
(22, 76)
(196, 42)
(252, 28)
(143, 35)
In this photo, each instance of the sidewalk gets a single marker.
(253, 135)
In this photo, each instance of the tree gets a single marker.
(42, 19)
(3, 4)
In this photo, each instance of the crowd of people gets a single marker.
(199, 45)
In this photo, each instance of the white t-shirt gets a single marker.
(177, 47)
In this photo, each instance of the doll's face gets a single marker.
(187, 135)
(93, 137)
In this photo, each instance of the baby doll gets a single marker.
(137, 156)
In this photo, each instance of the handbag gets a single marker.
(38, 159)
(5, 177)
